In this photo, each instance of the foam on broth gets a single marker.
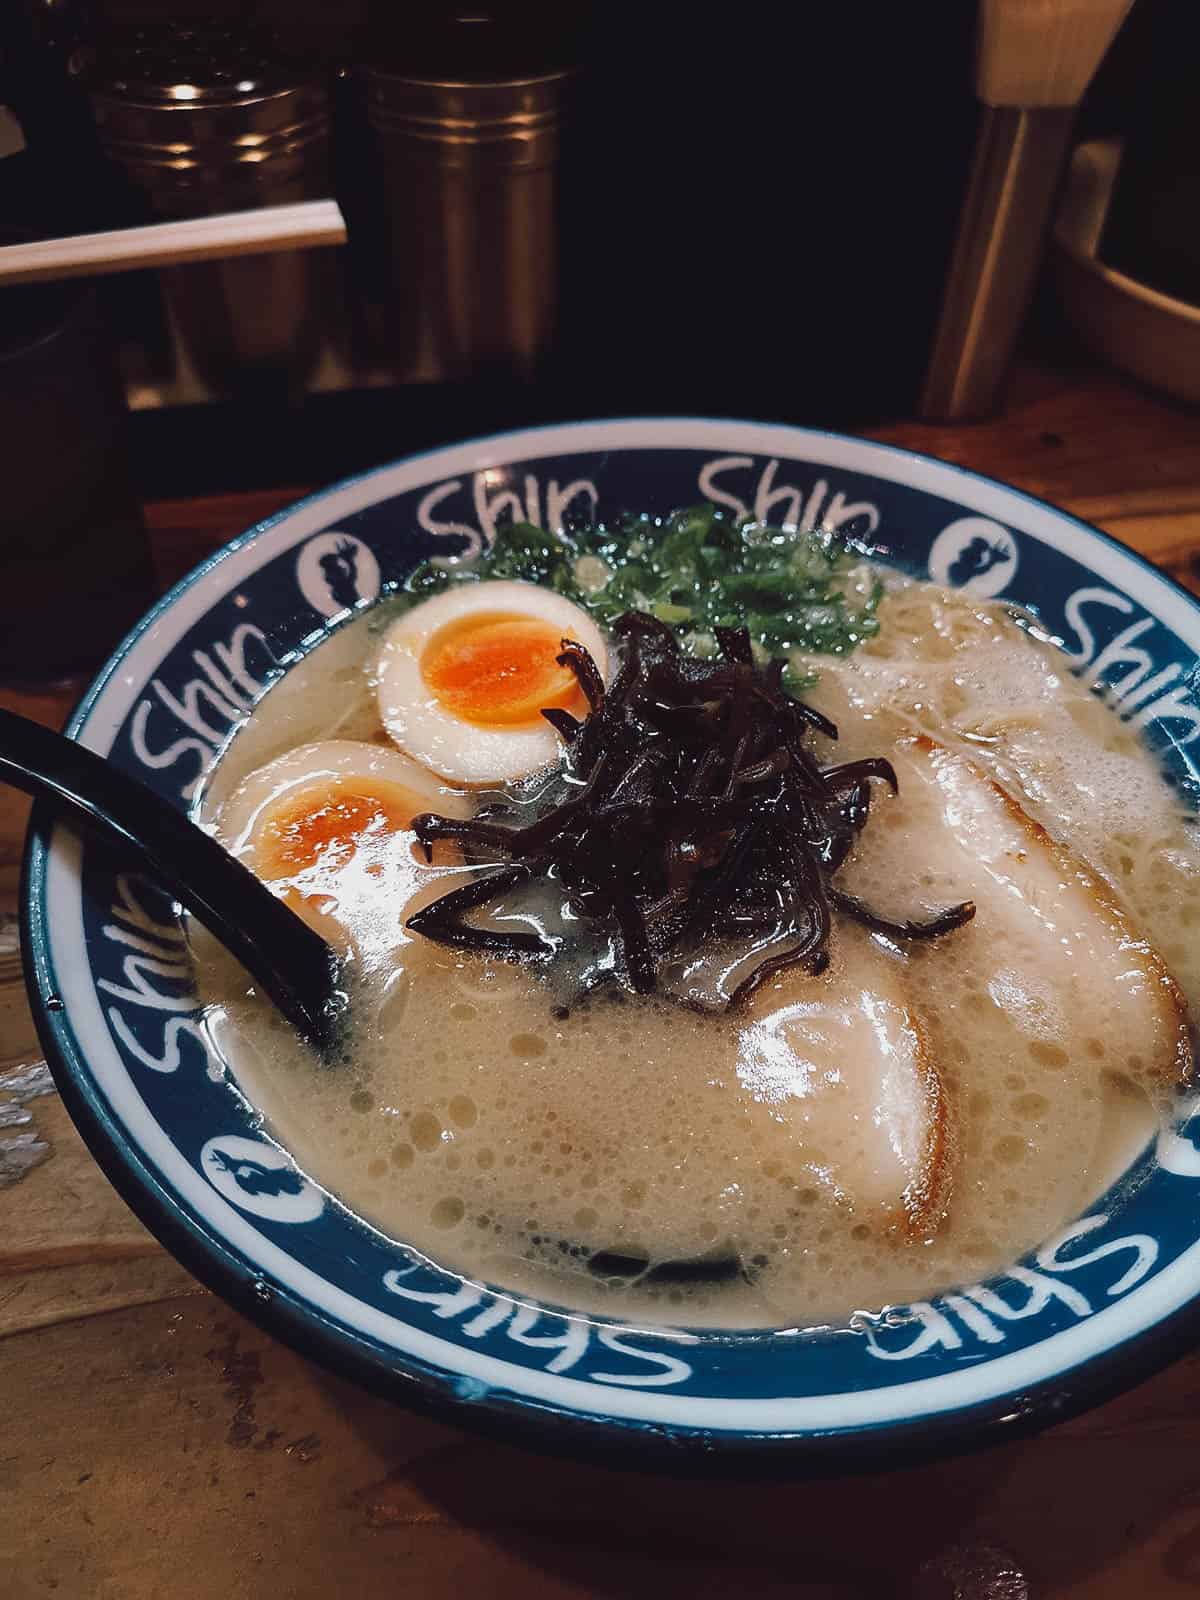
(509, 1141)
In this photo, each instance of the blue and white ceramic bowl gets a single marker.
(1091, 1310)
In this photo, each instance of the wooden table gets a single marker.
(154, 1444)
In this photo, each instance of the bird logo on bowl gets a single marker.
(975, 554)
(336, 572)
(260, 1179)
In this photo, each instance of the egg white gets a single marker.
(461, 751)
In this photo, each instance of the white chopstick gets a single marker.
(310, 224)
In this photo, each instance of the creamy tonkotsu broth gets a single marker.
(913, 1118)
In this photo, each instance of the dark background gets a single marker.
(756, 206)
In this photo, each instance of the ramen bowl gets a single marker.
(1091, 1310)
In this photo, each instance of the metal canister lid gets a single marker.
(521, 113)
(467, 90)
(194, 101)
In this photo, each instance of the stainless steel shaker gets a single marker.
(469, 179)
(205, 120)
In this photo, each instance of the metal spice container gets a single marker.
(205, 120)
(469, 179)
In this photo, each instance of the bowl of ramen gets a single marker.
(762, 867)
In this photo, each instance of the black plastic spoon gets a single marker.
(291, 963)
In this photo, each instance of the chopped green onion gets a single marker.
(698, 569)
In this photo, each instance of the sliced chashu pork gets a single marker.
(1091, 942)
(1040, 911)
(846, 1067)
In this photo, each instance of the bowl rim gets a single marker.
(286, 1314)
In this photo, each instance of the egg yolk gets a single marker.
(328, 828)
(499, 670)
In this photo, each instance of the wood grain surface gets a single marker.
(156, 1446)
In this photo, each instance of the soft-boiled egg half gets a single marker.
(328, 827)
(462, 679)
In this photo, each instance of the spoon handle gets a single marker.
(294, 965)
